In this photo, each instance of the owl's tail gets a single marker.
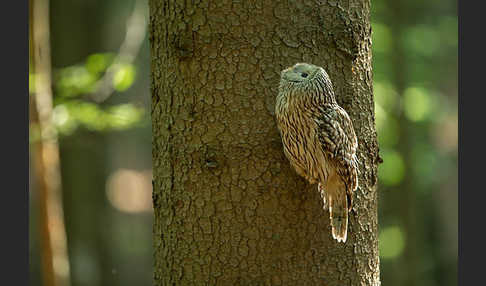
(338, 214)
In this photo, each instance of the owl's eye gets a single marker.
(304, 74)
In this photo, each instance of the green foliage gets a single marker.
(74, 81)
(391, 242)
(422, 40)
(124, 77)
(69, 115)
(73, 85)
(381, 38)
(425, 162)
(98, 63)
(415, 92)
(418, 104)
(82, 79)
(386, 105)
(392, 171)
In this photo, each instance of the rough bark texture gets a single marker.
(229, 210)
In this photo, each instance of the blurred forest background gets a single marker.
(101, 96)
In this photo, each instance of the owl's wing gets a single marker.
(339, 143)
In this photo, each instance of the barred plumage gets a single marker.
(319, 139)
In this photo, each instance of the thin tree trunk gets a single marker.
(54, 256)
(229, 209)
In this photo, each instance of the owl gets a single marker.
(319, 139)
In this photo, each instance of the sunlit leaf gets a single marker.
(89, 115)
(97, 63)
(124, 77)
(391, 242)
(392, 171)
(122, 116)
(417, 103)
(75, 80)
(63, 120)
(69, 115)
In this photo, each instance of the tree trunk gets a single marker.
(229, 209)
(45, 151)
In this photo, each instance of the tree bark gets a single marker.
(229, 209)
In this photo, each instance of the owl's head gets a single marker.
(307, 79)
(300, 73)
